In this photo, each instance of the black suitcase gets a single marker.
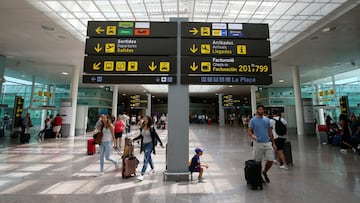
(288, 153)
(24, 138)
(48, 133)
(252, 172)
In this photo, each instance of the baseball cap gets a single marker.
(199, 149)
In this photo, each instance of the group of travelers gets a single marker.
(345, 133)
(112, 136)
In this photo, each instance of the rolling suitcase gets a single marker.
(288, 153)
(24, 138)
(91, 148)
(252, 172)
(324, 139)
(129, 167)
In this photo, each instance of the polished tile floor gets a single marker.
(61, 171)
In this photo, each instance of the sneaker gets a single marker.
(343, 150)
(283, 167)
(117, 165)
(354, 150)
(152, 171)
(276, 162)
(100, 174)
(266, 177)
(358, 147)
(200, 180)
(141, 177)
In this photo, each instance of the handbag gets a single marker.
(98, 137)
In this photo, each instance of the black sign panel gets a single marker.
(227, 80)
(130, 64)
(18, 110)
(131, 29)
(224, 30)
(138, 101)
(124, 79)
(229, 100)
(224, 47)
(226, 65)
(131, 46)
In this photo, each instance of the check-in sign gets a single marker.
(131, 46)
(226, 65)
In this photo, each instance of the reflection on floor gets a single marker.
(61, 171)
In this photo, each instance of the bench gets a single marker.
(177, 174)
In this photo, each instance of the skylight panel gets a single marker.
(303, 26)
(250, 7)
(66, 15)
(80, 15)
(278, 24)
(292, 24)
(281, 8)
(95, 15)
(88, 6)
(72, 6)
(110, 15)
(327, 8)
(55, 6)
(265, 8)
(296, 8)
(311, 9)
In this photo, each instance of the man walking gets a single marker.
(263, 141)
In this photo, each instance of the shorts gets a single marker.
(263, 151)
(118, 135)
(196, 169)
(56, 129)
(280, 143)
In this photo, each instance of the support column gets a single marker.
(32, 91)
(2, 72)
(177, 153)
(74, 96)
(298, 103)
(115, 100)
(221, 111)
(336, 101)
(148, 108)
(253, 100)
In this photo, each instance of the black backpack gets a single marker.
(280, 128)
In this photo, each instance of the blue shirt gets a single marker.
(261, 128)
(195, 163)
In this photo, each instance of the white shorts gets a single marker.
(263, 151)
(56, 129)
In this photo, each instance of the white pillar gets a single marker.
(74, 95)
(336, 101)
(221, 111)
(115, 100)
(298, 103)
(148, 108)
(32, 91)
(253, 99)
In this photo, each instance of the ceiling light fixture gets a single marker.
(65, 73)
(47, 28)
(281, 81)
(328, 29)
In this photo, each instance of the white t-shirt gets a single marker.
(272, 125)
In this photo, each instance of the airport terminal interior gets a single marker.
(300, 57)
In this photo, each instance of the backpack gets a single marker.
(280, 128)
